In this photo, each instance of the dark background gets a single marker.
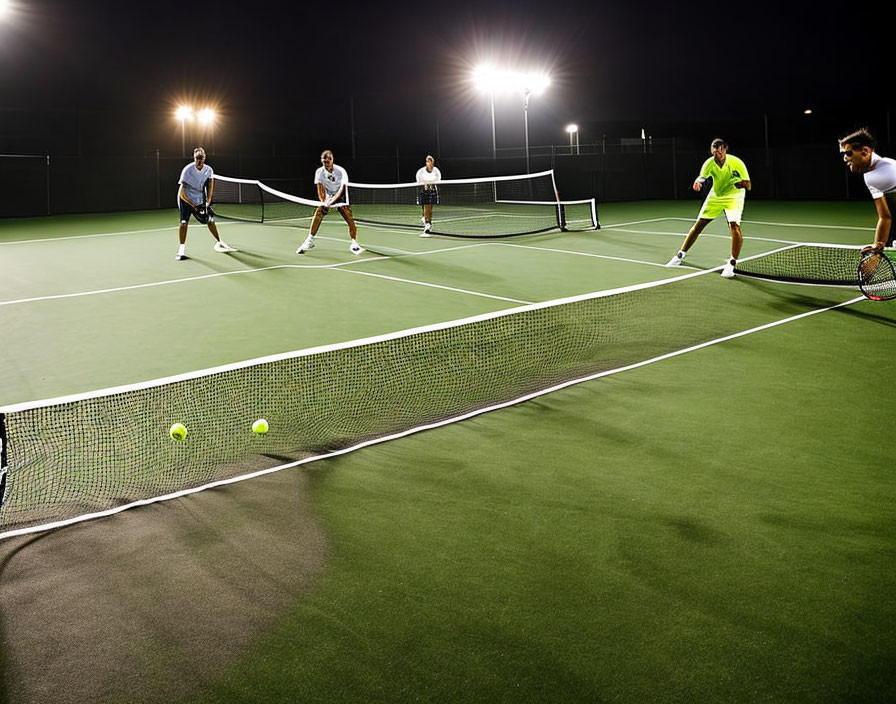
(95, 85)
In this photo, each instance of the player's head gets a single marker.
(718, 145)
(326, 157)
(199, 154)
(430, 160)
(857, 149)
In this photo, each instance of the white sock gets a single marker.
(182, 249)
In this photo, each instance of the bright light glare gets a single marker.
(5, 8)
(489, 78)
(807, 111)
(182, 113)
(572, 129)
(206, 116)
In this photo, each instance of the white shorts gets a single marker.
(732, 205)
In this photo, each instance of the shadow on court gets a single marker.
(155, 603)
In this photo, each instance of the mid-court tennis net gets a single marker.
(501, 206)
(72, 458)
(807, 263)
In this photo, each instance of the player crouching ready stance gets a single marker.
(331, 180)
(730, 183)
(194, 197)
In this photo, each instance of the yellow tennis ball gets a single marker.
(260, 427)
(178, 432)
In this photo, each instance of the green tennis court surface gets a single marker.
(716, 526)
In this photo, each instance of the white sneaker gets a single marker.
(728, 271)
(676, 260)
(306, 245)
(180, 257)
(224, 247)
(355, 248)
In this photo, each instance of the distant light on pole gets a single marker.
(183, 113)
(573, 130)
(807, 111)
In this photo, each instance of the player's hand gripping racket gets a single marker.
(877, 277)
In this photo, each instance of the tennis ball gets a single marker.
(178, 432)
(260, 427)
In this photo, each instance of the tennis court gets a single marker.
(714, 525)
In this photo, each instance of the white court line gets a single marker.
(795, 224)
(445, 288)
(708, 234)
(634, 222)
(583, 254)
(187, 279)
(418, 429)
(65, 238)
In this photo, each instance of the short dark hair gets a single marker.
(718, 142)
(860, 138)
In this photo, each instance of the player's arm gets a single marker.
(182, 194)
(337, 195)
(211, 190)
(745, 184)
(321, 193)
(705, 173)
(884, 223)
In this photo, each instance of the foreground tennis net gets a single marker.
(73, 458)
(501, 206)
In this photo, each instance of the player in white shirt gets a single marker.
(194, 197)
(428, 177)
(331, 180)
(858, 152)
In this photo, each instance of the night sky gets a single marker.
(291, 73)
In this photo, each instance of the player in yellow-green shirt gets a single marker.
(730, 183)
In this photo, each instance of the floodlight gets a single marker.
(206, 116)
(5, 8)
(572, 129)
(182, 113)
(486, 77)
(807, 111)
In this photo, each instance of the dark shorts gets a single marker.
(186, 211)
(430, 197)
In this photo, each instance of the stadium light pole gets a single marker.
(183, 113)
(530, 83)
(488, 79)
(573, 130)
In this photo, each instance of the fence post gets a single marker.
(48, 184)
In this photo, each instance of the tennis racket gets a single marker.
(202, 213)
(877, 277)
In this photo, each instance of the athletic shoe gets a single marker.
(224, 247)
(306, 245)
(355, 248)
(425, 233)
(180, 257)
(728, 271)
(676, 260)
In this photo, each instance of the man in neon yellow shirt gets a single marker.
(730, 183)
